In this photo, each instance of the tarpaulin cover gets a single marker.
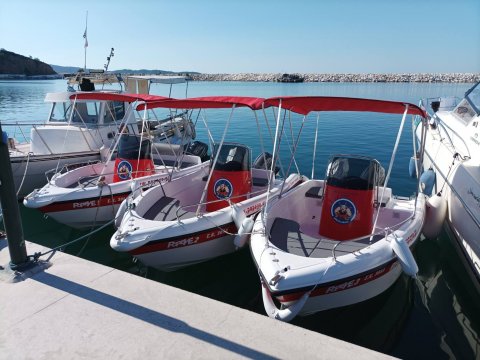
(305, 104)
(207, 102)
(111, 96)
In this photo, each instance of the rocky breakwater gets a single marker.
(409, 77)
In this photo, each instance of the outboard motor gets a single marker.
(231, 177)
(197, 148)
(348, 203)
(133, 159)
(264, 161)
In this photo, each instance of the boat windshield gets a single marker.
(354, 172)
(60, 112)
(473, 97)
(84, 113)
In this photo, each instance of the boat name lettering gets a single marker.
(411, 237)
(253, 208)
(356, 282)
(474, 140)
(343, 286)
(84, 204)
(151, 183)
(476, 197)
(184, 242)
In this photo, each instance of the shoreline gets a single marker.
(307, 77)
(396, 78)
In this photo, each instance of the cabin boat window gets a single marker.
(473, 97)
(464, 111)
(86, 113)
(115, 111)
(60, 112)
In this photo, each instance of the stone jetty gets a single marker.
(407, 77)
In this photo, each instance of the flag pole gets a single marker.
(86, 43)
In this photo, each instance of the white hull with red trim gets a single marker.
(294, 260)
(161, 227)
(78, 199)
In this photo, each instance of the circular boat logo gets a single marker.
(124, 169)
(223, 189)
(343, 211)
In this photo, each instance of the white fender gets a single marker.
(404, 255)
(243, 232)
(120, 213)
(436, 213)
(244, 225)
(104, 153)
(285, 315)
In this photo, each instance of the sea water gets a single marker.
(436, 315)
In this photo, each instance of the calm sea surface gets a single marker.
(436, 316)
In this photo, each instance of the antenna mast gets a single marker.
(86, 43)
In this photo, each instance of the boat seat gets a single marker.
(84, 181)
(287, 236)
(314, 192)
(260, 182)
(172, 163)
(165, 209)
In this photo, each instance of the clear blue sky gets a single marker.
(269, 36)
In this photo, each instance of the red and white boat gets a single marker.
(205, 214)
(90, 195)
(339, 241)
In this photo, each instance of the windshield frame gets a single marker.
(474, 101)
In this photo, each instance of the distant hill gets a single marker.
(72, 69)
(65, 69)
(15, 64)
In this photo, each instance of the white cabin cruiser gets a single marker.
(75, 131)
(451, 170)
(72, 134)
(89, 195)
(339, 241)
(205, 214)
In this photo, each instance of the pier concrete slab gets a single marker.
(78, 309)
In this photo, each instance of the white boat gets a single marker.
(339, 241)
(201, 215)
(89, 195)
(451, 171)
(74, 132)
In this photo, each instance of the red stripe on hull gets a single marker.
(340, 286)
(186, 240)
(106, 200)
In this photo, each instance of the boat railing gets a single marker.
(200, 204)
(20, 131)
(435, 104)
(428, 105)
(458, 196)
(445, 127)
(385, 232)
(53, 173)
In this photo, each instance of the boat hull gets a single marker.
(460, 185)
(90, 205)
(177, 252)
(176, 243)
(294, 260)
(29, 170)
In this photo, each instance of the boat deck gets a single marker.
(166, 209)
(287, 236)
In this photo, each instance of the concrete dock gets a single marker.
(71, 308)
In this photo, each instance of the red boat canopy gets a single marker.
(206, 102)
(305, 104)
(112, 96)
